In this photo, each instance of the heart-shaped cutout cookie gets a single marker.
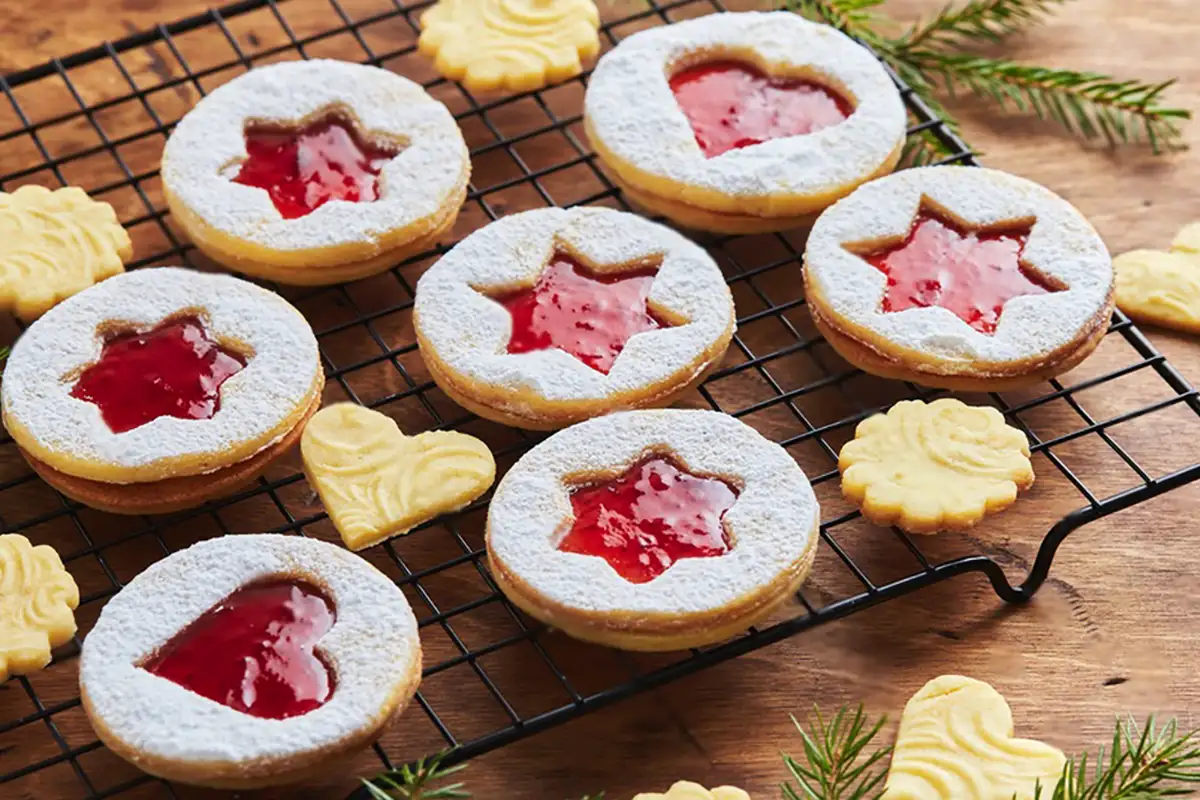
(254, 651)
(376, 482)
(731, 105)
(1163, 288)
(956, 743)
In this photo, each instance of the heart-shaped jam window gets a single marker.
(731, 105)
(254, 651)
(653, 515)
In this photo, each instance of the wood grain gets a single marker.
(1113, 631)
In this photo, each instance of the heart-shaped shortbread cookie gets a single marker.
(956, 743)
(1163, 288)
(376, 482)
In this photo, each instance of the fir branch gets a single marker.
(1088, 104)
(1143, 763)
(414, 782)
(836, 763)
(978, 20)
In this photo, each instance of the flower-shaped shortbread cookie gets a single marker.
(1163, 288)
(956, 741)
(686, 790)
(55, 244)
(927, 467)
(514, 45)
(37, 602)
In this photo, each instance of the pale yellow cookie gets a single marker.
(1163, 288)
(956, 743)
(510, 45)
(928, 467)
(686, 790)
(54, 244)
(376, 482)
(38, 598)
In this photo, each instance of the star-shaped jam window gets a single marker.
(303, 168)
(654, 514)
(587, 313)
(174, 369)
(970, 271)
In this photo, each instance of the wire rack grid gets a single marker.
(98, 119)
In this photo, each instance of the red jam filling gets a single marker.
(644, 521)
(253, 651)
(304, 169)
(971, 273)
(732, 105)
(588, 315)
(173, 370)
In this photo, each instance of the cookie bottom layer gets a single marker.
(963, 379)
(699, 219)
(332, 271)
(666, 633)
(170, 494)
(261, 774)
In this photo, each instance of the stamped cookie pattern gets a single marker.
(54, 244)
(514, 45)
(926, 467)
(37, 602)
(956, 740)
(686, 790)
(376, 482)
(1163, 288)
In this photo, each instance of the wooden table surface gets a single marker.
(1114, 630)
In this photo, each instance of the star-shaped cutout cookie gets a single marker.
(1163, 288)
(586, 313)
(971, 271)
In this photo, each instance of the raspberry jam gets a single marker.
(304, 169)
(253, 651)
(644, 521)
(970, 273)
(588, 315)
(732, 105)
(172, 370)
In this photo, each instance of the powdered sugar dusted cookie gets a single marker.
(573, 313)
(160, 374)
(743, 122)
(287, 655)
(959, 277)
(315, 172)
(653, 530)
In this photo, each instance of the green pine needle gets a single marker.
(1089, 105)
(837, 764)
(413, 782)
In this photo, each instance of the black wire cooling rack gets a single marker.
(99, 118)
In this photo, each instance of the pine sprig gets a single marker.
(837, 764)
(415, 782)
(1143, 763)
(977, 20)
(1090, 105)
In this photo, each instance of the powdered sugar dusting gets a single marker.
(514, 250)
(771, 522)
(373, 647)
(210, 140)
(255, 402)
(1062, 245)
(631, 109)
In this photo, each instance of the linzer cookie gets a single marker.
(249, 660)
(54, 244)
(958, 277)
(653, 530)
(161, 388)
(742, 122)
(38, 598)
(573, 313)
(315, 172)
(512, 45)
